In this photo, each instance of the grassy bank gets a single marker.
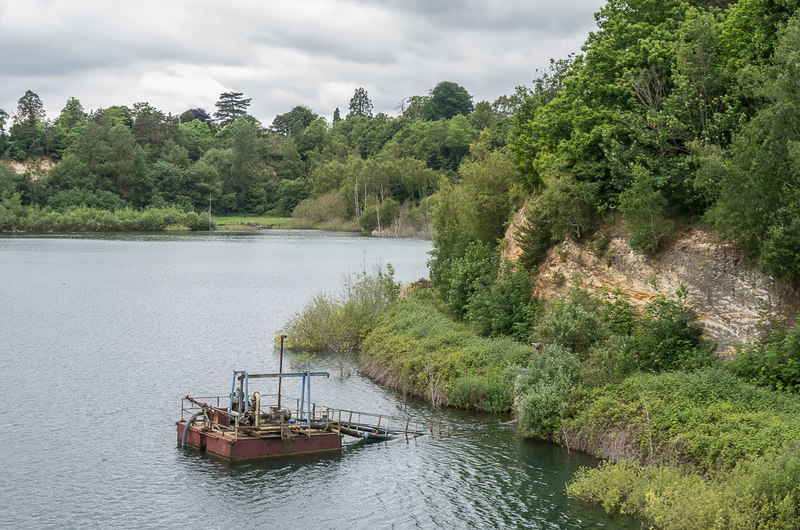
(253, 222)
(417, 350)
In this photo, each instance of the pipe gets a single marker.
(257, 407)
(186, 428)
(280, 371)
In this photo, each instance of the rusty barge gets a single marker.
(237, 427)
(243, 430)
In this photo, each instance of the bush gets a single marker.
(760, 492)
(328, 208)
(491, 393)
(775, 364)
(565, 208)
(339, 324)
(98, 199)
(643, 207)
(709, 419)
(466, 273)
(575, 322)
(504, 306)
(670, 338)
(543, 391)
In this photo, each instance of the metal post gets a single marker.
(233, 388)
(308, 374)
(302, 406)
(280, 371)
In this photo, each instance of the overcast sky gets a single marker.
(179, 54)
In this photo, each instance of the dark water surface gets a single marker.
(100, 337)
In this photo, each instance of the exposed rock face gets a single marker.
(730, 297)
(37, 169)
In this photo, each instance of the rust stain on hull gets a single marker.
(230, 447)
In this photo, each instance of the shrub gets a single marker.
(643, 208)
(339, 324)
(491, 393)
(775, 363)
(575, 322)
(709, 419)
(98, 199)
(760, 492)
(543, 391)
(464, 275)
(504, 306)
(670, 338)
(326, 208)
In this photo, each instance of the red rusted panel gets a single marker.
(220, 416)
(246, 448)
(194, 437)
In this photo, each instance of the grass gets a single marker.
(253, 222)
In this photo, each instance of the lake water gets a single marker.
(100, 337)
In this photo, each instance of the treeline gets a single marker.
(371, 171)
(674, 113)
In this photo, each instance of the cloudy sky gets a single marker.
(179, 54)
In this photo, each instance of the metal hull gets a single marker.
(226, 445)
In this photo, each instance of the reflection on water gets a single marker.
(103, 334)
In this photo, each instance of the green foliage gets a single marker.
(230, 106)
(339, 324)
(564, 208)
(670, 338)
(505, 306)
(326, 210)
(416, 349)
(360, 104)
(576, 323)
(709, 419)
(753, 184)
(774, 363)
(760, 492)
(543, 391)
(102, 200)
(14, 216)
(464, 275)
(490, 392)
(447, 99)
(643, 209)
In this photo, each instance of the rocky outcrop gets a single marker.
(730, 296)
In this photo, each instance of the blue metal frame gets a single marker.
(244, 386)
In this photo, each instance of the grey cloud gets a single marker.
(178, 54)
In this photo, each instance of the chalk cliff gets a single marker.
(730, 296)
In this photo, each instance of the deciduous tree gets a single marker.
(446, 100)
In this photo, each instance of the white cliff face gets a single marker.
(730, 297)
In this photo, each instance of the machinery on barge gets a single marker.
(244, 430)
(239, 427)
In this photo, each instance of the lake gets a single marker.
(103, 334)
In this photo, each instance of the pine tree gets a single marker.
(360, 105)
(231, 105)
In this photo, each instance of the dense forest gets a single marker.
(361, 171)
